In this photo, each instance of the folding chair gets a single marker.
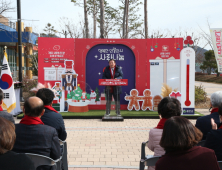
(64, 160)
(40, 160)
(220, 164)
(145, 160)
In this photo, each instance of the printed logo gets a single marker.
(165, 48)
(56, 47)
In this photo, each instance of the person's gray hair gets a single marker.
(216, 99)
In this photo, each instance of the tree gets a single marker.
(34, 64)
(5, 6)
(109, 20)
(70, 28)
(84, 5)
(78, 93)
(88, 96)
(145, 19)
(206, 35)
(127, 17)
(49, 31)
(124, 19)
(86, 19)
(97, 94)
(72, 93)
(210, 62)
(101, 18)
(134, 19)
(109, 17)
(94, 18)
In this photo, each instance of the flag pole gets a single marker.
(19, 44)
(5, 51)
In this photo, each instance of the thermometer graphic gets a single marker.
(187, 102)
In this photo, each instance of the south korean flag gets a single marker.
(7, 86)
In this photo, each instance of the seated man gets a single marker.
(51, 117)
(5, 114)
(32, 136)
(204, 123)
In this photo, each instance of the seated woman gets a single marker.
(178, 140)
(10, 160)
(214, 137)
(167, 108)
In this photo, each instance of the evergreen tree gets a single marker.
(135, 23)
(210, 62)
(72, 93)
(88, 96)
(78, 93)
(97, 94)
(49, 31)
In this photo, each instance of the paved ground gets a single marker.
(93, 143)
(209, 87)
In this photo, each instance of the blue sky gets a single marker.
(173, 15)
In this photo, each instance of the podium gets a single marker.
(110, 85)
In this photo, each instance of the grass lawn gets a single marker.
(124, 113)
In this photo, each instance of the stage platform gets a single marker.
(98, 114)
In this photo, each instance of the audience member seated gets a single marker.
(178, 140)
(32, 136)
(5, 114)
(214, 137)
(204, 123)
(167, 108)
(10, 160)
(51, 117)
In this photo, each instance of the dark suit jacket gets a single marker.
(204, 123)
(118, 75)
(7, 116)
(196, 158)
(38, 139)
(55, 120)
(214, 142)
(13, 161)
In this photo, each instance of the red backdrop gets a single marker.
(53, 51)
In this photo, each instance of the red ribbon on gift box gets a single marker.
(175, 94)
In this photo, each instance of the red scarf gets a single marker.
(161, 123)
(1, 108)
(50, 108)
(214, 110)
(29, 120)
(112, 77)
(220, 127)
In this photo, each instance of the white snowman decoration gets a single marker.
(93, 96)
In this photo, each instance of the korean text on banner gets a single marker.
(216, 35)
(7, 86)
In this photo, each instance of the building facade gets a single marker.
(9, 39)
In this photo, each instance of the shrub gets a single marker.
(200, 94)
(28, 84)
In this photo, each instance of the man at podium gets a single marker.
(112, 71)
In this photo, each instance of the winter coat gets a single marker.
(154, 143)
(118, 75)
